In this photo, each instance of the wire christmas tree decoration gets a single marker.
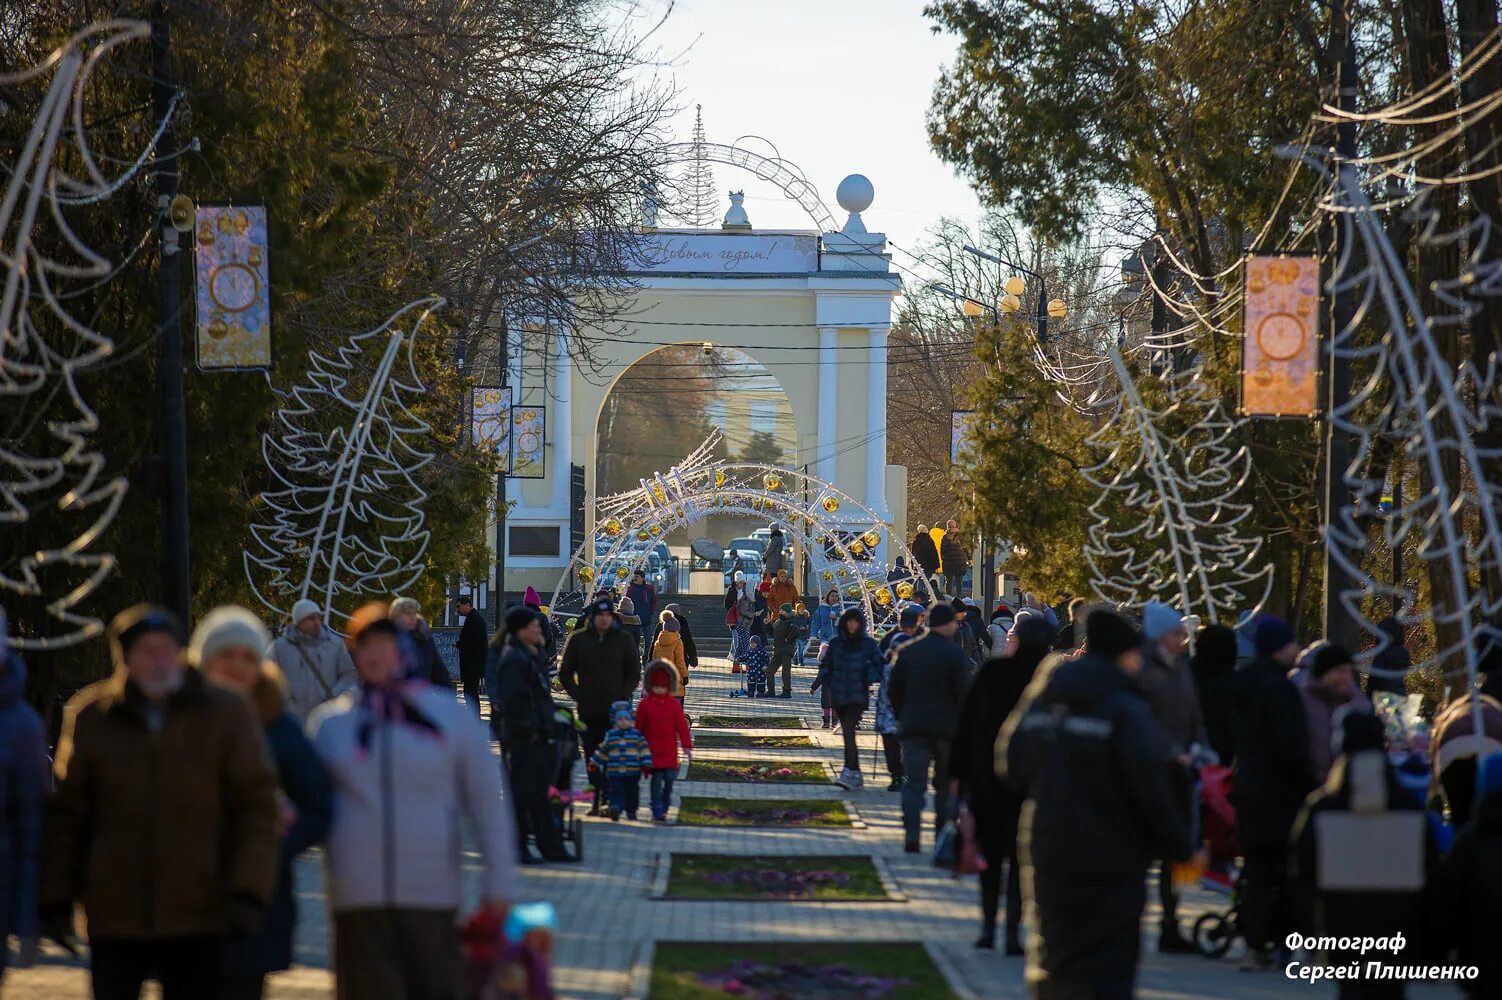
(1430, 416)
(698, 201)
(346, 445)
(44, 347)
(1179, 492)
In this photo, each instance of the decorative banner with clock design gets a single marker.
(234, 295)
(1280, 341)
(527, 461)
(490, 420)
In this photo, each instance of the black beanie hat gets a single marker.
(1033, 631)
(134, 622)
(1108, 634)
(1328, 658)
(519, 618)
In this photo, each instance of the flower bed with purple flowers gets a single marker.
(795, 772)
(778, 970)
(711, 811)
(728, 876)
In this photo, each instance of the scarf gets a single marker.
(388, 703)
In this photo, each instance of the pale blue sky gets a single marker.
(840, 86)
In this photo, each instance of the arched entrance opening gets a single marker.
(663, 407)
(844, 542)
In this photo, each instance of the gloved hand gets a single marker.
(243, 914)
(56, 921)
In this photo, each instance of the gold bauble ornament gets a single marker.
(586, 573)
(827, 576)
(842, 572)
(853, 590)
(831, 504)
(872, 538)
(655, 530)
(611, 527)
(572, 623)
(771, 481)
(545, 610)
(622, 572)
(905, 590)
(719, 477)
(856, 548)
(641, 535)
(822, 539)
(657, 492)
(679, 511)
(883, 597)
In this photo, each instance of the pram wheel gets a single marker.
(1213, 934)
(576, 834)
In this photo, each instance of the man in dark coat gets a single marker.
(926, 687)
(644, 598)
(164, 820)
(23, 798)
(1389, 665)
(1363, 852)
(955, 559)
(925, 552)
(473, 641)
(1274, 772)
(1213, 667)
(1466, 907)
(851, 663)
(1084, 750)
(599, 667)
(524, 702)
(994, 693)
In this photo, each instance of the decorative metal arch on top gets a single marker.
(778, 171)
(701, 486)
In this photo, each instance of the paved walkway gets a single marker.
(608, 919)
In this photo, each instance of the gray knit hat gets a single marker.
(228, 627)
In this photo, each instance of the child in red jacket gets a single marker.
(661, 721)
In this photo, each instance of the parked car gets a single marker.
(749, 543)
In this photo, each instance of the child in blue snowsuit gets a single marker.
(757, 661)
(622, 758)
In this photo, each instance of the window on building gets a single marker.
(532, 540)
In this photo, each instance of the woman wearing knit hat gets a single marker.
(229, 647)
(414, 781)
(669, 646)
(1085, 749)
(314, 662)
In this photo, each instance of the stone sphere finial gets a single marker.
(855, 193)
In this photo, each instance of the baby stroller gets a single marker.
(561, 797)
(1214, 932)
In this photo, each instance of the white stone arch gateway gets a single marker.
(813, 308)
(842, 536)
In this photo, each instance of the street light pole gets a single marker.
(172, 434)
(504, 357)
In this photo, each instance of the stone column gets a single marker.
(876, 422)
(829, 412)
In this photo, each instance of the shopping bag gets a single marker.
(947, 846)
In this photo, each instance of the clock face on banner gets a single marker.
(232, 289)
(1281, 336)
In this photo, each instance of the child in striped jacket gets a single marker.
(623, 757)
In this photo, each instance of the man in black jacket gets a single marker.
(600, 666)
(1084, 749)
(927, 687)
(473, 642)
(525, 704)
(1274, 772)
(925, 554)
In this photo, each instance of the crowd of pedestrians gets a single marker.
(1073, 754)
(184, 784)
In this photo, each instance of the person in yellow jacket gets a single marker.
(669, 647)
